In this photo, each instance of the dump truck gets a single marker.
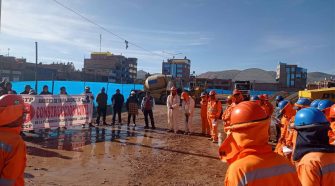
(244, 87)
(324, 93)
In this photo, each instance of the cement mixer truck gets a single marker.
(159, 86)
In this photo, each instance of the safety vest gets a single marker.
(213, 108)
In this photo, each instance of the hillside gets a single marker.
(317, 76)
(259, 75)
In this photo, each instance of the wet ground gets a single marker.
(122, 156)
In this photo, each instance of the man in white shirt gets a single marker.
(188, 107)
(172, 103)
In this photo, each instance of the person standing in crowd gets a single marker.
(237, 97)
(188, 105)
(12, 147)
(63, 91)
(250, 157)
(265, 104)
(315, 156)
(278, 99)
(172, 103)
(27, 89)
(45, 90)
(102, 106)
(132, 108)
(214, 109)
(117, 104)
(292, 134)
(7, 89)
(331, 132)
(205, 128)
(147, 105)
(286, 112)
(89, 99)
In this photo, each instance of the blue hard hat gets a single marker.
(302, 102)
(309, 116)
(323, 104)
(254, 98)
(279, 98)
(315, 103)
(282, 104)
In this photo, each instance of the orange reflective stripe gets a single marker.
(265, 173)
(328, 169)
(5, 147)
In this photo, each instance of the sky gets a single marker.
(214, 34)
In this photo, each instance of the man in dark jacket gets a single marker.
(7, 89)
(117, 103)
(26, 89)
(147, 106)
(45, 90)
(102, 106)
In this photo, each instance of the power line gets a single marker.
(105, 29)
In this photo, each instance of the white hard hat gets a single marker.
(132, 92)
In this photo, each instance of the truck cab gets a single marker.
(244, 87)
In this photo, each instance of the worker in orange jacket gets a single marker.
(214, 109)
(265, 104)
(246, 149)
(12, 147)
(331, 132)
(325, 107)
(237, 98)
(286, 112)
(315, 156)
(204, 120)
(292, 134)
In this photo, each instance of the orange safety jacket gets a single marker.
(204, 104)
(12, 157)
(251, 159)
(317, 168)
(331, 133)
(214, 109)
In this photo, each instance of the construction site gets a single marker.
(153, 92)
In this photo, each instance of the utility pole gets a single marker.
(36, 59)
(0, 13)
(100, 42)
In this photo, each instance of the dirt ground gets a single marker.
(113, 156)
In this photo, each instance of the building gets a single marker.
(117, 68)
(291, 77)
(178, 68)
(18, 69)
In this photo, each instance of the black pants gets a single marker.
(101, 111)
(118, 112)
(134, 118)
(146, 113)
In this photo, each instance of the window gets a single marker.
(298, 76)
(288, 80)
(179, 66)
(292, 83)
(288, 70)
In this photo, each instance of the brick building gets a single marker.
(117, 68)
